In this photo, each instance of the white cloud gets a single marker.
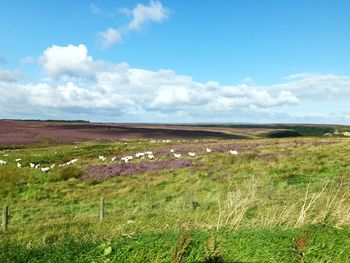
(8, 76)
(67, 61)
(142, 14)
(77, 85)
(109, 37)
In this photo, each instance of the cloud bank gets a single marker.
(76, 86)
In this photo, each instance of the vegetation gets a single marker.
(278, 200)
(280, 134)
(304, 130)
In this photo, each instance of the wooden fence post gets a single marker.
(101, 209)
(5, 217)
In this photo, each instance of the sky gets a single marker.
(256, 61)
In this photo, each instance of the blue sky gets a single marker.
(176, 61)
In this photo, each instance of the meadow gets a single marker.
(277, 200)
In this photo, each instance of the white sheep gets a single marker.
(45, 169)
(113, 158)
(148, 152)
(17, 160)
(32, 165)
(52, 166)
(126, 159)
(19, 165)
(72, 161)
(102, 158)
(37, 166)
(2, 162)
(140, 155)
(172, 150)
(191, 154)
(208, 150)
(233, 152)
(150, 156)
(177, 155)
(68, 163)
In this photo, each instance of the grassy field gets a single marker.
(278, 200)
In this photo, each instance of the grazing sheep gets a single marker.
(45, 169)
(2, 162)
(37, 166)
(208, 150)
(32, 165)
(150, 156)
(72, 161)
(52, 166)
(102, 158)
(172, 150)
(19, 165)
(148, 152)
(126, 159)
(233, 152)
(68, 163)
(177, 155)
(191, 154)
(113, 158)
(17, 160)
(140, 155)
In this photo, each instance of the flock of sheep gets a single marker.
(141, 155)
(37, 165)
(150, 155)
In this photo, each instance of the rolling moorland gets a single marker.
(250, 193)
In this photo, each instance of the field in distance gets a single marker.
(14, 132)
(174, 193)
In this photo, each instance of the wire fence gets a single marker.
(21, 215)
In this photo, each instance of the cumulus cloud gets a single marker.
(68, 61)
(326, 87)
(109, 37)
(142, 14)
(77, 85)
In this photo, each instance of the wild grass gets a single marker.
(276, 199)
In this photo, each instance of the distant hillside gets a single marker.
(298, 130)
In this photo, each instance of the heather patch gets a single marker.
(101, 172)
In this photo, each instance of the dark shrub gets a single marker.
(68, 172)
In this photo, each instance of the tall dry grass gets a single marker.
(327, 205)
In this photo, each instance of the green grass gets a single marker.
(313, 244)
(277, 198)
